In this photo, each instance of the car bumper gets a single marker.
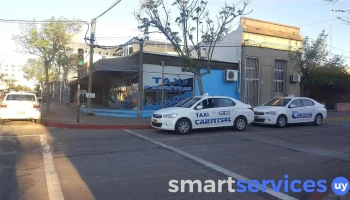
(20, 116)
(163, 123)
(265, 119)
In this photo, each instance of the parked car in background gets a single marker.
(20, 106)
(288, 110)
(204, 112)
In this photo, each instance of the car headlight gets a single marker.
(271, 113)
(170, 115)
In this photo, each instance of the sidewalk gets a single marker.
(65, 116)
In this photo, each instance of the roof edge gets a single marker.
(268, 22)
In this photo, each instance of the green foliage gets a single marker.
(191, 30)
(318, 68)
(328, 77)
(48, 39)
(34, 69)
(20, 88)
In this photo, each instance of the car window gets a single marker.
(207, 103)
(187, 103)
(308, 102)
(296, 102)
(224, 102)
(20, 97)
(278, 102)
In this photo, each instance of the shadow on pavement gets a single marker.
(8, 162)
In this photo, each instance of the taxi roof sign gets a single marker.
(205, 94)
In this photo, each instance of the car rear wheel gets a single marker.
(318, 120)
(183, 126)
(240, 123)
(281, 121)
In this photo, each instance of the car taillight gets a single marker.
(36, 106)
(3, 106)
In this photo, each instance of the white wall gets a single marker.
(227, 50)
(233, 47)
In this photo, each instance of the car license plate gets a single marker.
(20, 113)
(154, 121)
(256, 117)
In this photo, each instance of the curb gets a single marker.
(320, 195)
(94, 126)
(337, 119)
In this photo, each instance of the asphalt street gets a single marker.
(36, 161)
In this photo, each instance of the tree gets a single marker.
(47, 41)
(21, 88)
(191, 31)
(34, 69)
(313, 61)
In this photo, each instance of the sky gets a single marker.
(312, 16)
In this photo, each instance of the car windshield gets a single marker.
(187, 103)
(278, 102)
(20, 97)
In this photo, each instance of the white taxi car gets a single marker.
(204, 112)
(290, 109)
(18, 106)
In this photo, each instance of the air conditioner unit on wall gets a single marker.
(295, 78)
(231, 75)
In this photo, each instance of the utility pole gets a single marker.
(330, 38)
(140, 84)
(162, 84)
(91, 63)
(78, 97)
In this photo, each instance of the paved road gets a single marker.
(138, 164)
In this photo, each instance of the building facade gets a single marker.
(11, 74)
(263, 50)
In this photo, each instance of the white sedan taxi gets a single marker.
(20, 106)
(204, 112)
(288, 110)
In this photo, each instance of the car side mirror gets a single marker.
(199, 107)
(292, 106)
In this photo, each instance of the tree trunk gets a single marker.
(47, 86)
(200, 83)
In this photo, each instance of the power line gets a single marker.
(330, 46)
(320, 22)
(112, 6)
(21, 21)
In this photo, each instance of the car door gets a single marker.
(308, 110)
(294, 111)
(225, 111)
(205, 117)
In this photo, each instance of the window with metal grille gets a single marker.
(279, 77)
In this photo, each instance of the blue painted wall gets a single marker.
(214, 84)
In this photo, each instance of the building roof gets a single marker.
(261, 27)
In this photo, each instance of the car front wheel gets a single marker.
(183, 126)
(281, 121)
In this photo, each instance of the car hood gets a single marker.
(169, 110)
(268, 108)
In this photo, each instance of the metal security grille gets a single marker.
(279, 77)
(252, 81)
